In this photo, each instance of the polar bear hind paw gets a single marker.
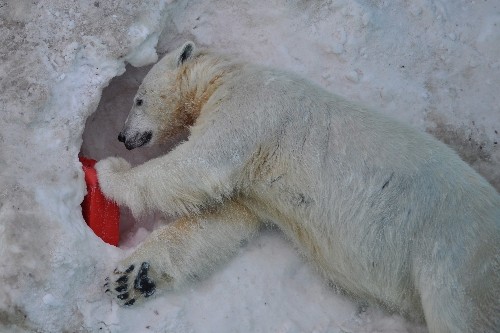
(130, 285)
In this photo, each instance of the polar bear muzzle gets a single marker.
(138, 140)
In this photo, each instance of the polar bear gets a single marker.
(388, 214)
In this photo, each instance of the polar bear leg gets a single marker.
(451, 307)
(184, 250)
(440, 308)
(186, 181)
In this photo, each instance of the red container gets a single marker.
(101, 214)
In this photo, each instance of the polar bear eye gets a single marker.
(138, 102)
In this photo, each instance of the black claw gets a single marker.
(123, 296)
(106, 279)
(121, 288)
(106, 284)
(143, 283)
(129, 302)
(130, 269)
(107, 291)
(122, 280)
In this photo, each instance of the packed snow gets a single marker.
(431, 63)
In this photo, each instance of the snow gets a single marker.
(431, 63)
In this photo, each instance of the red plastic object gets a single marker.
(101, 214)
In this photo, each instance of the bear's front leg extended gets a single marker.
(185, 250)
(117, 182)
(185, 181)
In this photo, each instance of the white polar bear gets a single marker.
(387, 213)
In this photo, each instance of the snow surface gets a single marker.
(432, 63)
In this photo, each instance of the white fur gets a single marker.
(389, 214)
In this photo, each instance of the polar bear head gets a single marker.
(157, 114)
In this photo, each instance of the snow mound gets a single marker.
(430, 63)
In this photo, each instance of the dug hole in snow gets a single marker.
(100, 141)
(433, 64)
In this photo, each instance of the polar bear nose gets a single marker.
(138, 139)
(121, 137)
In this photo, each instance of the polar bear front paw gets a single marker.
(109, 171)
(130, 285)
(113, 165)
(114, 180)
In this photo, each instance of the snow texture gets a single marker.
(431, 63)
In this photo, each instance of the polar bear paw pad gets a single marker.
(128, 289)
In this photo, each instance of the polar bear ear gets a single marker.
(186, 53)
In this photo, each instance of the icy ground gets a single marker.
(432, 63)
